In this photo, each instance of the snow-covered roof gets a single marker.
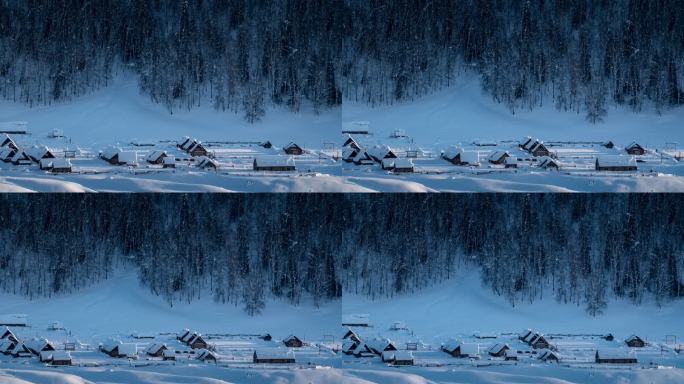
(6, 346)
(547, 354)
(6, 153)
(615, 353)
(155, 155)
(633, 338)
(37, 344)
(292, 144)
(349, 153)
(275, 354)
(292, 337)
(154, 348)
(45, 355)
(37, 152)
(547, 161)
(497, 348)
(616, 160)
(470, 157)
(275, 161)
(109, 345)
(110, 152)
(451, 152)
(128, 349)
(183, 333)
(128, 157)
(205, 353)
(361, 155)
(403, 163)
(633, 144)
(205, 161)
(496, 155)
(19, 155)
(61, 163)
(169, 160)
(403, 356)
(524, 140)
(349, 345)
(380, 151)
(61, 355)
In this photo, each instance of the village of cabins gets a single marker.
(168, 156)
(186, 346)
(359, 341)
(399, 154)
(398, 345)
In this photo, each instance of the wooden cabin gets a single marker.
(293, 341)
(498, 157)
(169, 162)
(351, 335)
(197, 342)
(6, 154)
(461, 350)
(549, 163)
(524, 335)
(615, 356)
(266, 144)
(116, 156)
(61, 358)
(549, 355)
(380, 345)
(635, 341)
(539, 149)
(349, 347)
(351, 143)
(7, 142)
(38, 152)
(184, 143)
(539, 342)
(380, 152)
(207, 355)
(363, 158)
(635, 149)
(348, 154)
(118, 349)
(615, 163)
(205, 162)
(459, 156)
(169, 355)
(293, 149)
(399, 165)
(498, 350)
(156, 349)
(7, 334)
(197, 149)
(21, 158)
(274, 164)
(525, 142)
(273, 357)
(156, 157)
(182, 334)
(36, 346)
(61, 166)
(397, 357)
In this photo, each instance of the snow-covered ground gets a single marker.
(465, 117)
(464, 310)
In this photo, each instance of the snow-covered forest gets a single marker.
(240, 56)
(581, 55)
(243, 249)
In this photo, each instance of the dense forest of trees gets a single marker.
(582, 55)
(243, 56)
(238, 55)
(244, 249)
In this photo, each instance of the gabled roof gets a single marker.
(381, 151)
(38, 344)
(205, 162)
(349, 346)
(155, 155)
(634, 144)
(206, 354)
(291, 145)
(547, 162)
(155, 348)
(292, 338)
(38, 152)
(497, 348)
(350, 142)
(128, 349)
(497, 155)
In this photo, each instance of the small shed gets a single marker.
(635, 341)
(207, 355)
(498, 157)
(615, 163)
(398, 165)
(293, 341)
(156, 157)
(525, 142)
(615, 356)
(169, 162)
(498, 350)
(61, 166)
(273, 357)
(274, 164)
(635, 149)
(116, 156)
(293, 149)
(169, 355)
(156, 349)
(539, 149)
(7, 142)
(182, 334)
(403, 358)
(184, 143)
(524, 335)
